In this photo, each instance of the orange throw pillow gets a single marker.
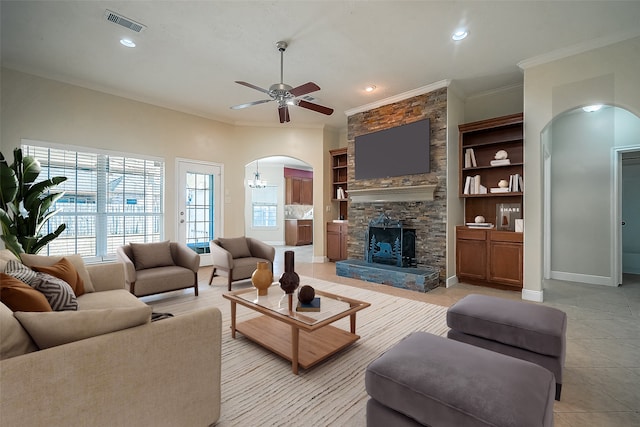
(19, 296)
(64, 270)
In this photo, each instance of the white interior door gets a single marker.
(199, 199)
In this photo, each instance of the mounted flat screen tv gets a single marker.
(398, 151)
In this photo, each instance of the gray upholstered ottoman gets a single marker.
(528, 331)
(433, 381)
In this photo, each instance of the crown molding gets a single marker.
(400, 97)
(577, 49)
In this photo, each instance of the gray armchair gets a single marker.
(236, 258)
(152, 268)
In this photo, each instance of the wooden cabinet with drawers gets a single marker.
(489, 257)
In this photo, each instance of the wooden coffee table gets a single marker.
(304, 338)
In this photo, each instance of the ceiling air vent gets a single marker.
(116, 18)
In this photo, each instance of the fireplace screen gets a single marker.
(390, 243)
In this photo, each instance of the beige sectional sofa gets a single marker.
(163, 373)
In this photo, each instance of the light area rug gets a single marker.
(258, 387)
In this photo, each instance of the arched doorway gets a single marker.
(266, 207)
(583, 195)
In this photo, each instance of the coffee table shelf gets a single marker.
(313, 347)
(305, 339)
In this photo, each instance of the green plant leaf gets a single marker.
(11, 243)
(30, 170)
(25, 205)
(44, 241)
(8, 185)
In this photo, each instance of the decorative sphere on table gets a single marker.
(306, 294)
(503, 183)
(479, 219)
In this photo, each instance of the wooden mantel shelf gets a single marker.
(416, 193)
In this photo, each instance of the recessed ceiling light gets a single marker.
(370, 88)
(592, 108)
(459, 35)
(127, 43)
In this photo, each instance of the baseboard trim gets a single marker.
(319, 259)
(453, 280)
(582, 278)
(529, 295)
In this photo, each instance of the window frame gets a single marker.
(103, 215)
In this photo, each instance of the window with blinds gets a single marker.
(264, 203)
(110, 199)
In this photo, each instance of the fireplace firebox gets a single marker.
(390, 243)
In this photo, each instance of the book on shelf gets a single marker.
(506, 214)
(472, 185)
(314, 305)
(479, 225)
(470, 158)
(516, 183)
(499, 190)
(502, 162)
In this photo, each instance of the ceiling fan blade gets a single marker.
(249, 104)
(252, 86)
(315, 107)
(283, 112)
(304, 89)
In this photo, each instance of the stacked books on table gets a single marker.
(479, 225)
(314, 305)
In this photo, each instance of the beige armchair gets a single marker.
(152, 268)
(236, 258)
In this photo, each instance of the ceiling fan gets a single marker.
(284, 94)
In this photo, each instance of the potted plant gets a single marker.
(25, 206)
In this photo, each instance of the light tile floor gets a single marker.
(602, 370)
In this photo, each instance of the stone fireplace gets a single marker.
(416, 201)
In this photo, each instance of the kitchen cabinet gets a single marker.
(299, 191)
(298, 232)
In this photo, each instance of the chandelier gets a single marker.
(256, 182)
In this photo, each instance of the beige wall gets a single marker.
(455, 205)
(495, 103)
(550, 89)
(46, 110)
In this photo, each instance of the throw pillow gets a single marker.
(151, 255)
(5, 256)
(15, 340)
(21, 272)
(31, 260)
(19, 296)
(64, 270)
(236, 246)
(62, 327)
(58, 292)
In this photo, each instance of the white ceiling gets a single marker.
(192, 51)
